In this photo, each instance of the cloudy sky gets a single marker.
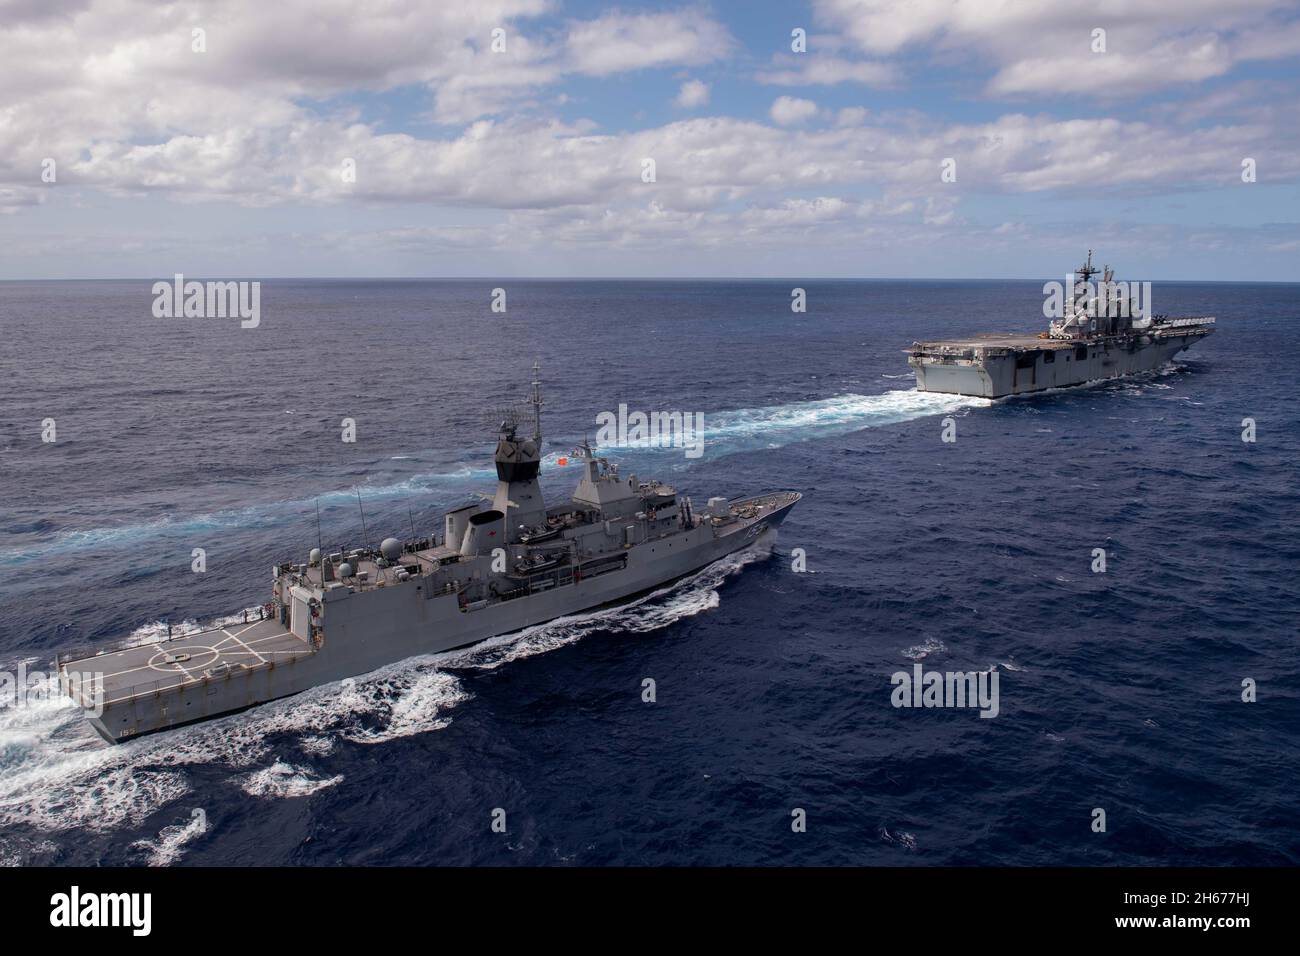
(237, 159)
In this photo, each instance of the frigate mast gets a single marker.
(536, 402)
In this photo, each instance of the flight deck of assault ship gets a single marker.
(1101, 335)
(496, 569)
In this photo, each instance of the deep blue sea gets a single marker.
(1118, 690)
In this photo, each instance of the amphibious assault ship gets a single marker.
(1103, 333)
(495, 569)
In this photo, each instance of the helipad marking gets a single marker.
(159, 661)
(114, 691)
(235, 638)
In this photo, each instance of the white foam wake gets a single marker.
(169, 846)
(285, 780)
(747, 429)
(838, 414)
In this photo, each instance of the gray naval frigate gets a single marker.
(1101, 335)
(497, 568)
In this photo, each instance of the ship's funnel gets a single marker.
(456, 522)
(486, 531)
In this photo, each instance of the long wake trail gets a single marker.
(727, 432)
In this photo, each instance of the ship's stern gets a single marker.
(952, 374)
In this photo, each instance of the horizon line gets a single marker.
(630, 278)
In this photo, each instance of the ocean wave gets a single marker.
(919, 652)
(284, 780)
(171, 840)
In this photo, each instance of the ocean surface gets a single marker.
(1118, 690)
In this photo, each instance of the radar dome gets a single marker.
(391, 548)
(314, 557)
(345, 570)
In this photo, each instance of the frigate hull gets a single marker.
(133, 691)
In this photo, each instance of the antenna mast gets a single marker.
(365, 535)
(537, 403)
(1086, 271)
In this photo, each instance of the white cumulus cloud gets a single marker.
(789, 110)
(616, 42)
(817, 69)
(693, 93)
(1041, 48)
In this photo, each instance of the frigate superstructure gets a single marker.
(1101, 334)
(495, 568)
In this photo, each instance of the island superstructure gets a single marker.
(1100, 335)
(495, 568)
